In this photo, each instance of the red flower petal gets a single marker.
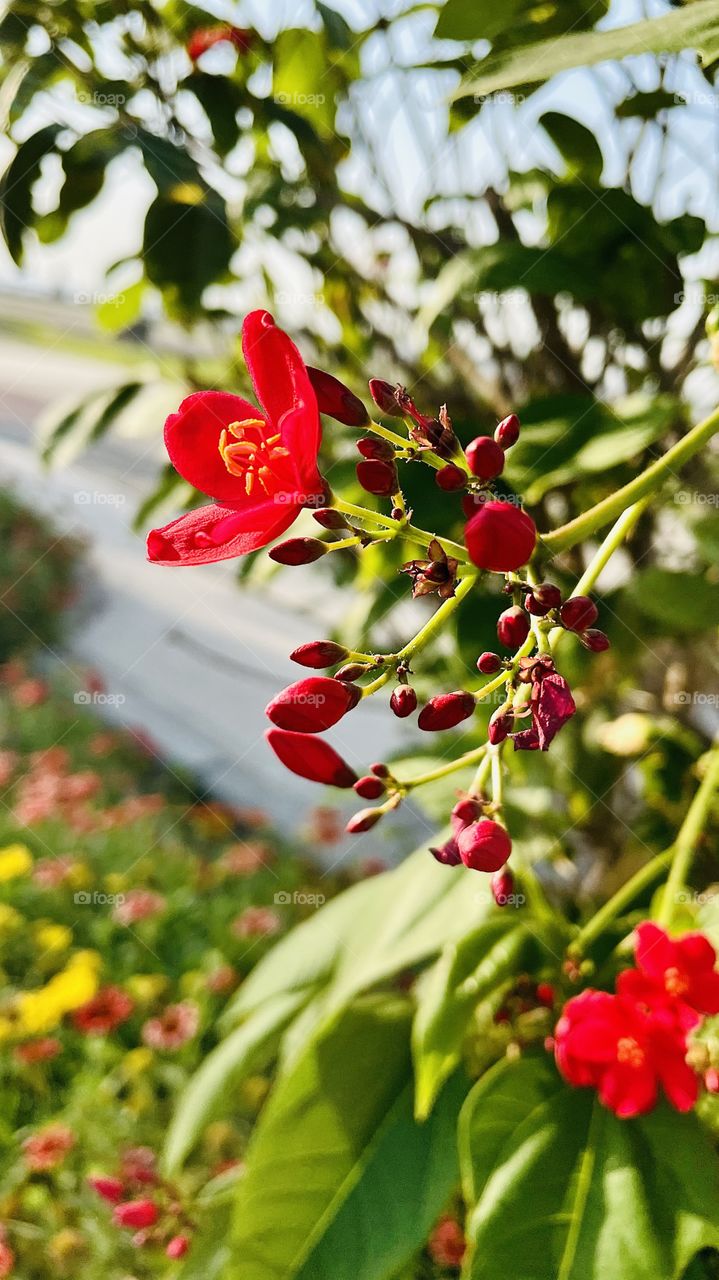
(192, 438)
(310, 757)
(280, 378)
(654, 950)
(678, 1080)
(628, 1091)
(218, 533)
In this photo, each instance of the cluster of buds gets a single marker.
(145, 1204)
(480, 842)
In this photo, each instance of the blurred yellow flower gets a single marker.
(146, 987)
(52, 937)
(15, 860)
(9, 918)
(73, 986)
(114, 882)
(79, 875)
(137, 1062)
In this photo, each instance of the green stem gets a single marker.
(425, 634)
(469, 757)
(648, 482)
(622, 899)
(454, 549)
(688, 837)
(360, 513)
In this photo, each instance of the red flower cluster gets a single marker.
(107, 1010)
(629, 1044)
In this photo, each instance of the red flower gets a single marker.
(500, 537)
(608, 1042)
(312, 704)
(484, 845)
(257, 922)
(111, 1189)
(551, 706)
(259, 466)
(683, 968)
(205, 37)
(107, 1010)
(136, 1213)
(311, 758)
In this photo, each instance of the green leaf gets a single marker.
(564, 1190)
(221, 99)
(187, 245)
(249, 1047)
(646, 106)
(122, 309)
(466, 973)
(694, 26)
(515, 21)
(303, 78)
(336, 1150)
(682, 603)
(16, 210)
(85, 423)
(577, 144)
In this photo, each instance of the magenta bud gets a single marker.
(299, 551)
(372, 448)
(312, 704)
(377, 477)
(535, 606)
(507, 433)
(594, 640)
(451, 478)
(352, 671)
(363, 821)
(485, 458)
(329, 518)
(403, 701)
(513, 627)
(336, 400)
(319, 654)
(111, 1189)
(385, 397)
(447, 854)
(547, 594)
(500, 537)
(136, 1213)
(464, 812)
(310, 757)
(369, 787)
(379, 770)
(502, 886)
(500, 726)
(446, 710)
(484, 846)
(177, 1247)
(578, 613)
(488, 663)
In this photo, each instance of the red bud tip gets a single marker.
(507, 433)
(370, 787)
(136, 1213)
(363, 821)
(484, 846)
(351, 672)
(500, 537)
(451, 478)
(379, 770)
(578, 613)
(177, 1247)
(310, 757)
(319, 654)
(111, 1189)
(336, 400)
(385, 397)
(547, 594)
(446, 710)
(299, 551)
(329, 518)
(403, 701)
(500, 726)
(594, 640)
(502, 886)
(488, 663)
(447, 854)
(312, 704)
(513, 627)
(375, 449)
(377, 477)
(485, 458)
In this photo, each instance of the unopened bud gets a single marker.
(451, 478)
(363, 821)
(312, 704)
(329, 518)
(299, 551)
(594, 640)
(464, 812)
(447, 854)
(502, 886)
(507, 433)
(485, 458)
(352, 671)
(446, 710)
(377, 477)
(380, 770)
(547, 594)
(136, 1213)
(375, 449)
(513, 627)
(369, 787)
(336, 400)
(385, 397)
(488, 663)
(310, 757)
(177, 1247)
(319, 654)
(111, 1189)
(578, 613)
(403, 701)
(500, 726)
(484, 846)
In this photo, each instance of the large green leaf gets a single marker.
(187, 244)
(577, 144)
(515, 21)
(682, 603)
(336, 1150)
(564, 1190)
(64, 437)
(16, 210)
(694, 26)
(466, 973)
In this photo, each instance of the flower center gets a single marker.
(251, 455)
(630, 1052)
(675, 982)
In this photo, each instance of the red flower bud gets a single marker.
(336, 400)
(471, 502)
(502, 886)
(488, 663)
(312, 704)
(485, 458)
(547, 594)
(578, 613)
(319, 654)
(310, 758)
(403, 701)
(369, 787)
(513, 627)
(446, 710)
(464, 812)
(352, 671)
(299, 551)
(363, 821)
(507, 433)
(545, 995)
(177, 1247)
(594, 640)
(377, 477)
(385, 397)
(373, 448)
(329, 518)
(379, 770)
(136, 1213)
(111, 1189)
(451, 478)
(447, 854)
(500, 726)
(500, 537)
(535, 606)
(484, 846)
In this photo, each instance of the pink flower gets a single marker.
(244, 859)
(257, 922)
(173, 1028)
(447, 1245)
(37, 1051)
(30, 693)
(48, 1148)
(138, 904)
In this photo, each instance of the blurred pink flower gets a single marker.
(138, 904)
(48, 1148)
(257, 922)
(173, 1028)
